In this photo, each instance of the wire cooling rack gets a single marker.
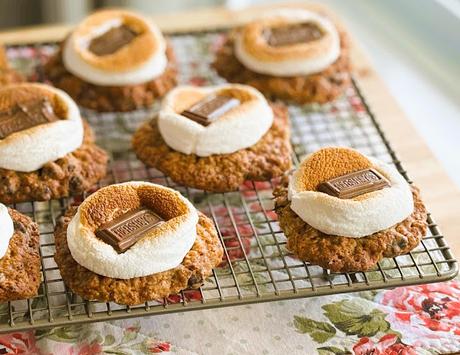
(256, 267)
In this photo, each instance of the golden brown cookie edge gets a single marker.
(205, 254)
(267, 159)
(22, 279)
(71, 175)
(321, 87)
(112, 98)
(343, 254)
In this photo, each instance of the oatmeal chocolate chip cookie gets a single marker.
(343, 254)
(345, 211)
(198, 263)
(268, 158)
(71, 175)
(20, 266)
(109, 68)
(318, 87)
(112, 98)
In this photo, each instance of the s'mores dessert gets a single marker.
(19, 256)
(214, 138)
(46, 150)
(114, 60)
(345, 211)
(134, 242)
(7, 74)
(291, 54)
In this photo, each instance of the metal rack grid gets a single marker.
(257, 267)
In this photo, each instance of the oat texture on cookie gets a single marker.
(368, 211)
(291, 54)
(20, 265)
(247, 141)
(114, 60)
(46, 149)
(176, 246)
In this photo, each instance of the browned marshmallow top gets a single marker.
(112, 202)
(23, 106)
(279, 39)
(339, 168)
(127, 42)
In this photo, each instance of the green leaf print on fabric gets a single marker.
(68, 334)
(245, 277)
(319, 331)
(109, 340)
(329, 350)
(128, 336)
(356, 317)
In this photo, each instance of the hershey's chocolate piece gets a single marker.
(354, 184)
(112, 40)
(210, 108)
(124, 231)
(292, 34)
(25, 115)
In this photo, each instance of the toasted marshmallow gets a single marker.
(141, 60)
(161, 249)
(236, 129)
(255, 53)
(6, 230)
(29, 149)
(356, 217)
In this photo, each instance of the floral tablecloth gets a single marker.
(411, 320)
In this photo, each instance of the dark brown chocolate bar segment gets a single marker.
(124, 231)
(292, 34)
(112, 40)
(210, 108)
(354, 184)
(26, 115)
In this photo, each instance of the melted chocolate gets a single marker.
(210, 108)
(354, 184)
(292, 34)
(124, 231)
(25, 115)
(112, 40)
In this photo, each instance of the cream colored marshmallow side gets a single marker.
(148, 256)
(295, 66)
(30, 149)
(239, 129)
(379, 210)
(149, 70)
(6, 230)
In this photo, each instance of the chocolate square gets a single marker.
(210, 108)
(112, 40)
(124, 231)
(354, 184)
(26, 115)
(292, 34)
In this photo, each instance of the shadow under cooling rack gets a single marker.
(257, 267)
